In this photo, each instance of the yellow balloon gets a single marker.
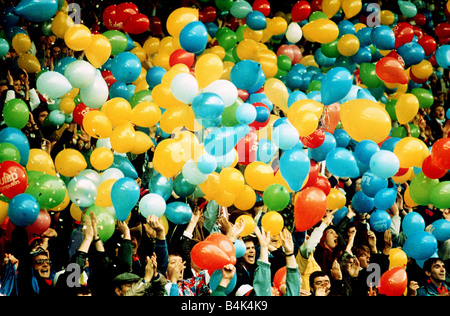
(104, 193)
(145, 114)
(403, 178)
(387, 17)
(140, 53)
(173, 117)
(99, 51)
(70, 162)
(231, 179)
(225, 198)
(277, 93)
(123, 138)
(21, 43)
(168, 158)
(253, 34)
(309, 61)
(29, 62)
(218, 50)
(118, 110)
(351, 8)
(3, 211)
(40, 160)
(210, 186)
(190, 122)
(179, 18)
(331, 7)
(348, 45)
(142, 143)
(245, 199)
(335, 199)
(408, 199)
(72, 93)
(423, 70)
(277, 25)
(97, 124)
(78, 37)
(322, 31)
(151, 46)
(162, 60)
(411, 152)
(162, 96)
(305, 105)
(247, 49)
(76, 212)
(249, 224)
(397, 258)
(259, 175)
(406, 108)
(61, 23)
(272, 222)
(365, 119)
(101, 158)
(67, 105)
(208, 68)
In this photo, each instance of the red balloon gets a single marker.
(313, 174)
(180, 56)
(280, 277)
(287, 50)
(316, 5)
(401, 172)
(209, 256)
(432, 171)
(108, 77)
(262, 6)
(397, 56)
(300, 11)
(428, 43)
(224, 243)
(310, 207)
(404, 33)
(315, 139)
(247, 147)
(209, 14)
(125, 10)
(243, 94)
(155, 25)
(298, 55)
(442, 30)
(331, 117)
(110, 19)
(390, 70)
(324, 184)
(41, 224)
(420, 19)
(80, 112)
(393, 282)
(418, 32)
(13, 179)
(137, 24)
(440, 153)
(417, 80)
(258, 125)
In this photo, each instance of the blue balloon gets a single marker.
(161, 185)
(23, 209)
(384, 164)
(294, 167)
(383, 37)
(239, 248)
(296, 96)
(346, 27)
(256, 21)
(216, 277)
(285, 136)
(246, 113)
(262, 114)
(336, 85)
(380, 221)
(221, 141)
(389, 144)
(385, 198)
(126, 67)
(182, 187)
(4, 47)
(340, 214)
(212, 28)
(420, 245)
(154, 76)
(123, 164)
(412, 53)
(119, 90)
(320, 153)
(8, 17)
(441, 229)
(266, 150)
(15, 137)
(125, 193)
(207, 105)
(245, 74)
(341, 163)
(361, 203)
(258, 85)
(363, 55)
(260, 97)
(62, 64)
(442, 55)
(36, 10)
(364, 36)
(206, 163)
(365, 149)
(412, 222)
(371, 183)
(194, 37)
(178, 213)
(342, 137)
(322, 60)
(294, 80)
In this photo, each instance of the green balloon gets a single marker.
(118, 41)
(16, 113)
(46, 28)
(182, 187)
(284, 62)
(229, 114)
(9, 152)
(330, 50)
(314, 85)
(105, 221)
(421, 187)
(440, 195)
(369, 76)
(226, 38)
(390, 108)
(276, 197)
(224, 5)
(316, 15)
(48, 190)
(425, 97)
(141, 96)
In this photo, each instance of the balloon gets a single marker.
(99, 51)
(310, 206)
(342, 163)
(439, 195)
(335, 199)
(411, 152)
(41, 224)
(285, 136)
(209, 255)
(178, 213)
(276, 197)
(384, 164)
(362, 203)
(413, 222)
(390, 70)
(194, 37)
(421, 245)
(272, 222)
(439, 153)
(385, 198)
(397, 258)
(16, 113)
(256, 21)
(78, 37)
(441, 229)
(49, 191)
(152, 204)
(365, 120)
(36, 11)
(80, 73)
(95, 94)
(9, 152)
(136, 24)
(245, 199)
(126, 67)
(249, 224)
(69, 162)
(380, 221)
(320, 153)
(364, 151)
(105, 221)
(336, 85)
(294, 167)
(430, 170)
(406, 108)
(321, 31)
(394, 281)
(372, 184)
(54, 84)
(421, 187)
(125, 194)
(179, 18)
(23, 210)
(216, 276)
(82, 191)
(245, 74)
(13, 179)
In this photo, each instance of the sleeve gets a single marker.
(262, 279)
(309, 245)
(219, 291)
(293, 281)
(139, 288)
(126, 252)
(162, 255)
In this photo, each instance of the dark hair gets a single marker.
(314, 275)
(429, 263)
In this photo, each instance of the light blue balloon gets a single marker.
(95, 94)
(385, 198)
(36, 10)
(384, 164)
(63, 63)
(266, 150)
(362, 203)
(123, 164)
(216, 277)
(260, 97)
(294, 167)
(56, 118)
(336, 85)
(341, 163)
(380, 221)
(285, 136)
(178, 213)
(192, 174)
(207, 105)
(296, 96)
(371, 183)
(80, 73)
(54, 84)
(383, 37)
(443, 56)
(412, 222)
(420, 245)
(240, 9)
(441, 229)
(246, 113)
(15, 137)
(126, 67)
(125, 194)
(206, 163)
(320, 153)
(240, 248)
(342, 137)
(194, 37)
(412, 53)
(23, 209)
(4, 47)
(82, 191)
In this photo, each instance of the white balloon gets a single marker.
(53, 84)
(184, 87)
(80, 73)
(152, 204)
(97, 93)
(294, 33)
(224, 89)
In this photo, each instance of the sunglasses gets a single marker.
(42, 261)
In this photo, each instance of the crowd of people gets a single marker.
(146, 258)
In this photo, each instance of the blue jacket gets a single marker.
(430, 289)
